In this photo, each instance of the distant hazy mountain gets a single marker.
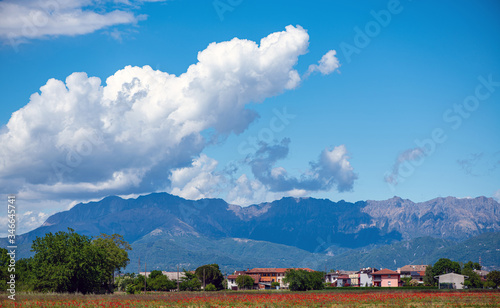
(166, 230)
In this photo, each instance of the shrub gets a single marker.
(210, 287)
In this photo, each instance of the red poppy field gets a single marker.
(260, 299)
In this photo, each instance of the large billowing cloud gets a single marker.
(84, 138)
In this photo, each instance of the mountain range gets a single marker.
(165, 231)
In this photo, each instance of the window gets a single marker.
(389, 283)
(388, 276)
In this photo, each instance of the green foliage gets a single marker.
(445, 266)
(473, 280)
(4, 265)
(115, 248)
(474, 266)
(69, 262)
(154, 274)
(494, 277)
(275, 284)
(159, 282)
(429, 276)
(244, 282)
(210, 273)
(124, 281)
(406, 281)
(301, 280)
(315, 280)
(193, 284)
(210, 287)
(132, 289)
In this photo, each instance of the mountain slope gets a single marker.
(284, 232)
(424, 250)
(449, 217)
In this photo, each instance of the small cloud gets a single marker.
(480, 164)
(402, 167)
(326, 65)
(496, 195)
(332, 169)
(30, 19)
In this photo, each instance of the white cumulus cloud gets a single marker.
(80, 138)
(327, 65)
(197, 181)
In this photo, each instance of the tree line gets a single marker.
(206, 277)
(69, 262)
(473, 280)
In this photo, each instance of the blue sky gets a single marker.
(407, 105)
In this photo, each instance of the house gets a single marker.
(263, 277)
(482, 274)
(415, 272)
(451, 281)
(406, 270)
(354, 280)
(343, 281)
(331, 278)
(231, 280)
(174, 276)
(366, 277)
(418, 276)
(386, 278)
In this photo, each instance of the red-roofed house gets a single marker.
(386, 278)
(270, 275)
(231, 280)
(263, 277)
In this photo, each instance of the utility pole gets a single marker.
(178, 278)
(139, 268)
(203, 279)
(145, 276)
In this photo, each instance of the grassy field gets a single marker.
(367, 298)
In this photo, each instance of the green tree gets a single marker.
(123, 281)
(301, 280)
(406, 281)
(210, 287)
(210, 273)
(275, 284)
(296, 280)
(159, 282)
(70, 262)
(190, 282)
(315, 280)
(429, 276)
(24, 278)
(444, 266)
(474, 266)
(115, 249)
(154, 274)
(494, 277)
(244, 282)
(4, 268)
(473, 280)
